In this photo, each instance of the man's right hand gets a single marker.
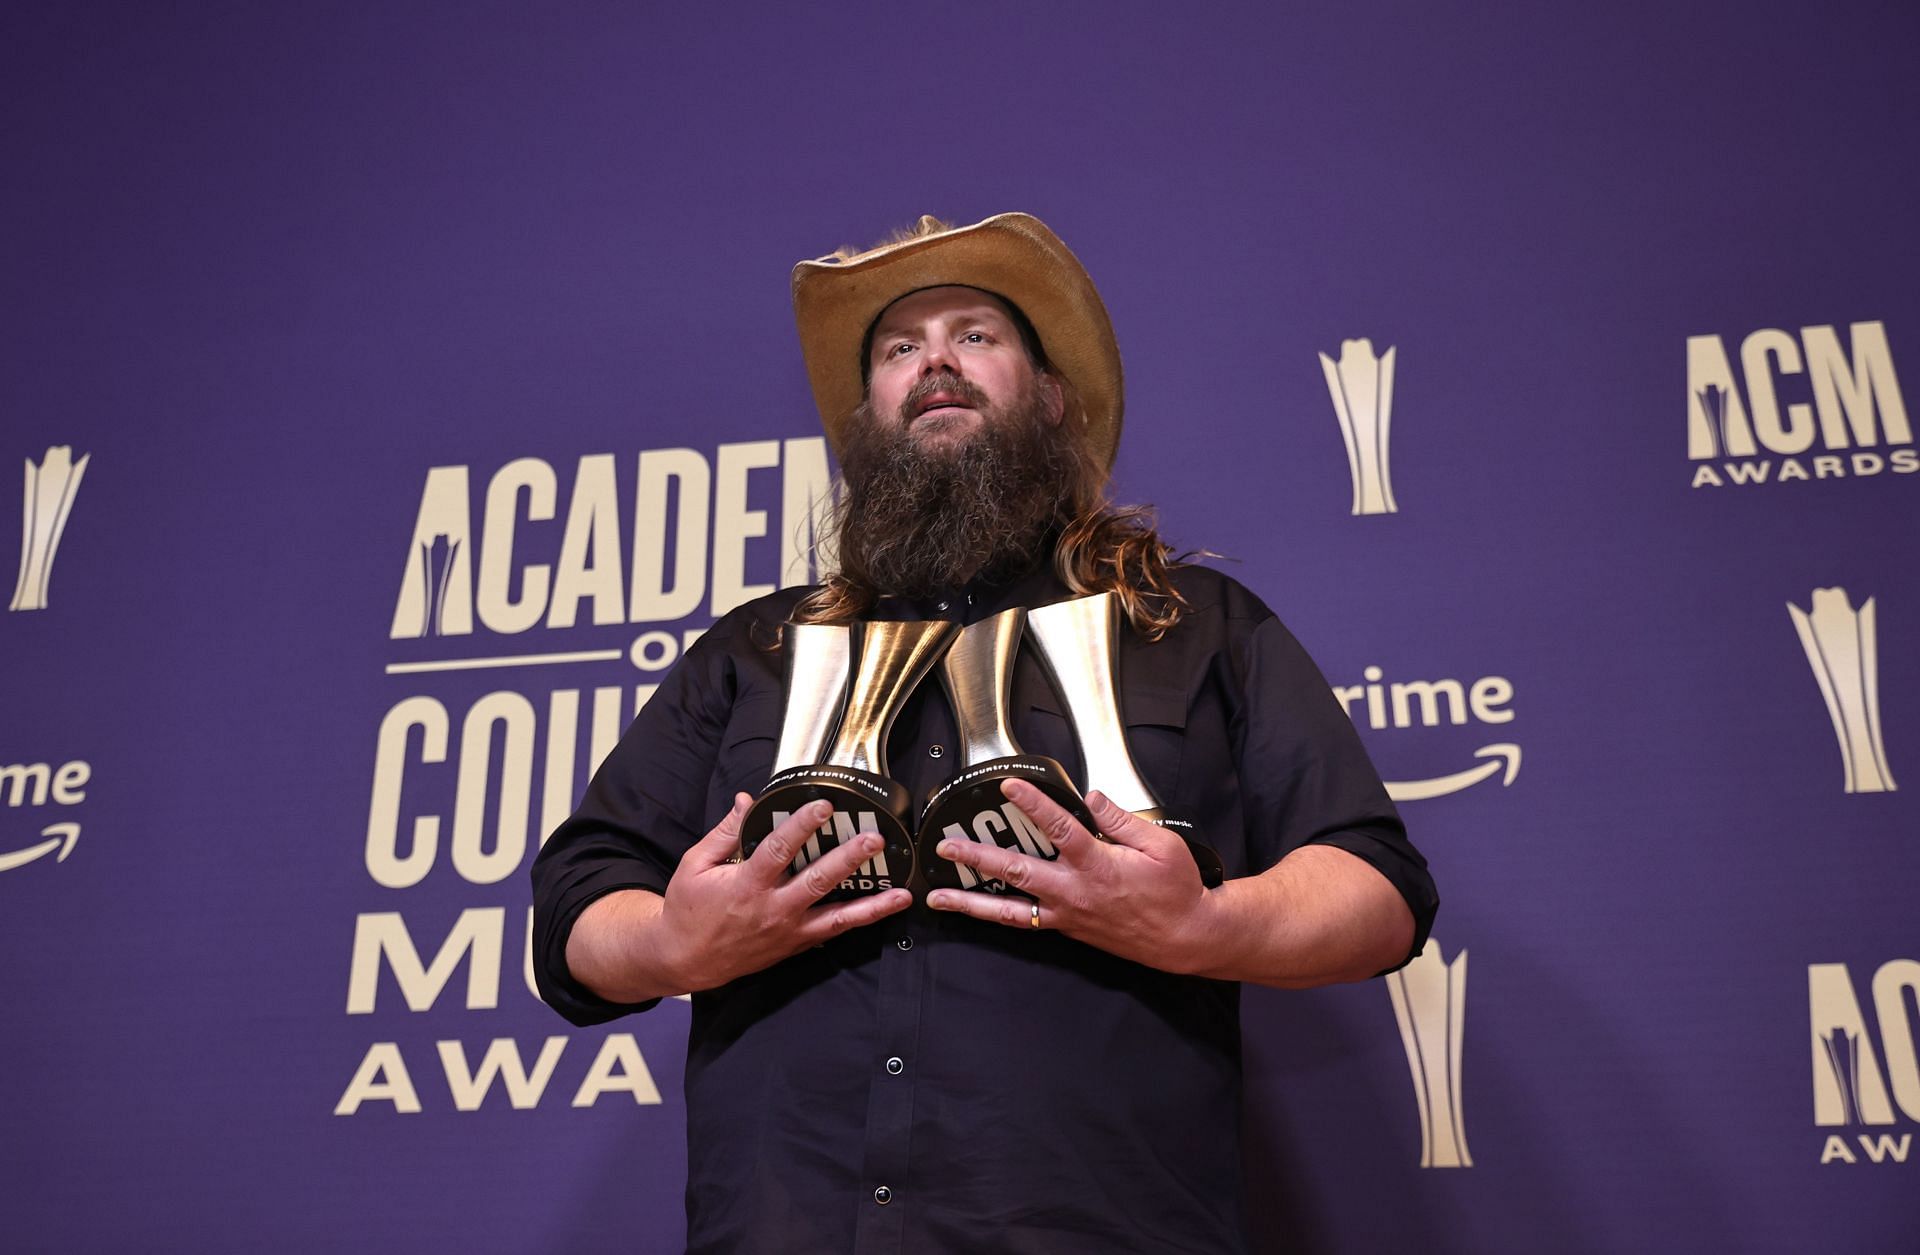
(721, 919)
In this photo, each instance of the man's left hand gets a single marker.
(1136, 894)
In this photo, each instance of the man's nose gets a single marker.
(938, 357)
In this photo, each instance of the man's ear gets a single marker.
(1052, 397)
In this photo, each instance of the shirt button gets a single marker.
(935, 751)
(941, 607)
(883, 1196)
(895, 1066)
(905, 943)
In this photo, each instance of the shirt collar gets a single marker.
(977, 600)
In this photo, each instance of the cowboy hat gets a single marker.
(1014, 256)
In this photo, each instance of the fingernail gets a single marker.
(938, 900)
(820, 809)
(873, 843)
(945, 849)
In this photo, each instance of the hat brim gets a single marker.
(1011, 255)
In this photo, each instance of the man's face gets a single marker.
(948, 362)
(957, 465)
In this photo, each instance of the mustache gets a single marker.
(961, 390)
(913, 522)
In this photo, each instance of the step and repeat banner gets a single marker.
(393, 394)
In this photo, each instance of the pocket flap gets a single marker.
(1161, 707)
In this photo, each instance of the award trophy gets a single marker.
(1078, 645)
(819, 659)
(888, 660)
(977, 674)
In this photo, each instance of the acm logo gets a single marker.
(1854, 1086)
(1854, 424)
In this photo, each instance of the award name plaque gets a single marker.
(977, 674)
(1078, 644)
(886, 660)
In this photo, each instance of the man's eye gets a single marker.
(975, 337)
(898, 349)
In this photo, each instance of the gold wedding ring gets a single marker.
(1035, 918)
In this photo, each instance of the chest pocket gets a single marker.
(1157, 734)
(746, 747)
(1155, 724)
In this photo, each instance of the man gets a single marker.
(977, 1072)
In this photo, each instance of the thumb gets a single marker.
(1123, 827)
(723, 843)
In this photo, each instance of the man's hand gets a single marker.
(1317, 916)
(1137, 894)
(721, 920)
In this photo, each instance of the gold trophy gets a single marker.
(887, 660)
(1078, 644)
(977, 674)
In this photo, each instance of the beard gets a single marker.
(917, 521)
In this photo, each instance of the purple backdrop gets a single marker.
(312, 289)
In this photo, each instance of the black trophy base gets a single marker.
(1204, 856)
(970, 807)
(862, 802)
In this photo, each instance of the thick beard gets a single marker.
(917, 522)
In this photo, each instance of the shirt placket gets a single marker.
(920, 756)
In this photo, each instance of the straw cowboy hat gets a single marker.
(1014, 256)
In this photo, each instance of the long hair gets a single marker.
(1099, 547)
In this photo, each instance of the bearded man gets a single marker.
(1058, 1072)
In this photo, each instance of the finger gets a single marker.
(1073, 841)
(1016, 867)
(824, 874)
(1005, 909)
(723, 842)
(774, 855)
(824, 922)
(1123, 827)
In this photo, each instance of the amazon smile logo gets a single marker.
(1381, 704)
(26, 786)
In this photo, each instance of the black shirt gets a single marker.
(938, 1083)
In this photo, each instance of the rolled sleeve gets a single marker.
(647, 804)
(1309, 780)
(572, 891)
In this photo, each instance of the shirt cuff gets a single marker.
(558, 989)
(1408, 876)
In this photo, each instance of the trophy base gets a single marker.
(862, 802)
(1204, 857)
(970, 807)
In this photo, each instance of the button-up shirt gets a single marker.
(937, 1083)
